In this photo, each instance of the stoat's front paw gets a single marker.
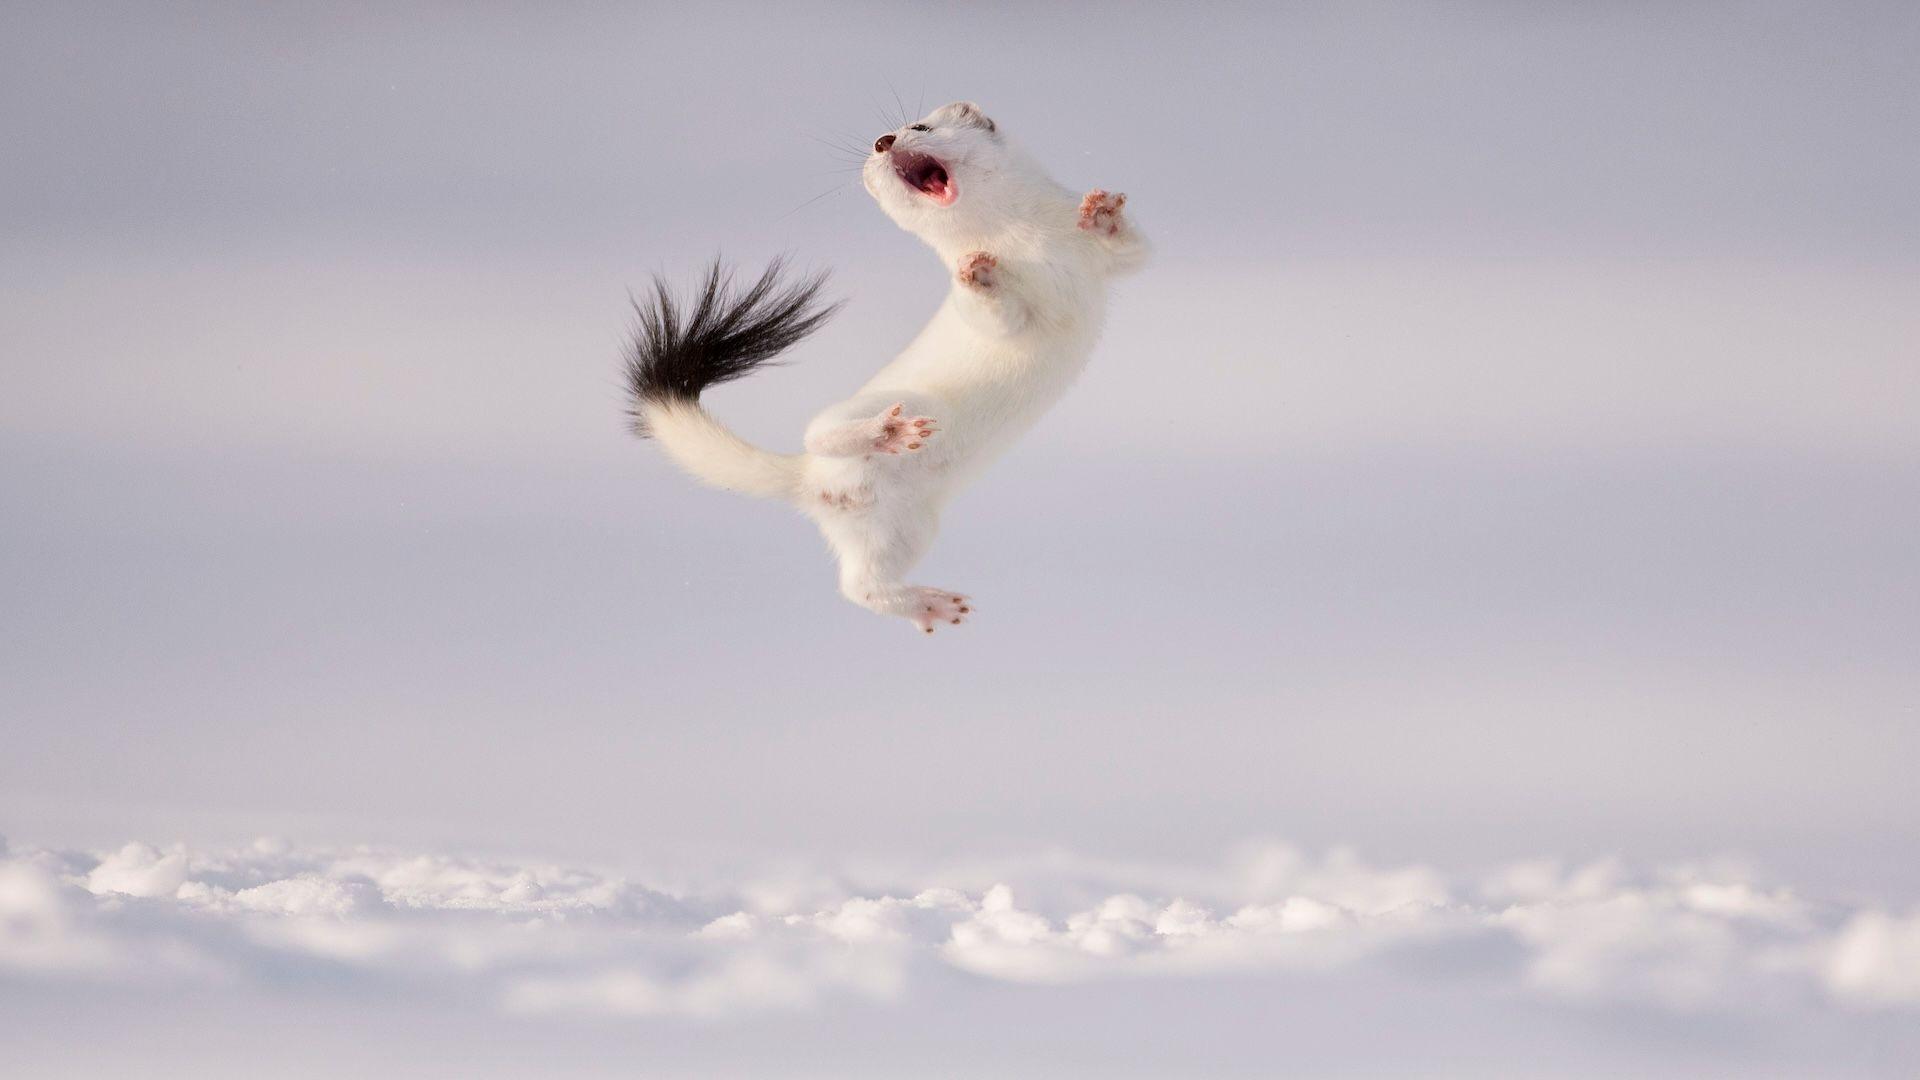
(977, 270)
(1100, 212)
(894, 431)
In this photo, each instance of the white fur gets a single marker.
(983, 371)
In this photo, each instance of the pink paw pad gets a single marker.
(898, 431)
(977, 270)
(938, 607)
(1100, 212)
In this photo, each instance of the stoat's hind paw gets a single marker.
(853, 499)
(895, 431)
(977, 270)
(936, 607)
(1100, 212)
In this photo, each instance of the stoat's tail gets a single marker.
(678, 353)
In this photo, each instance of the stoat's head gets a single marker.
(949, 173)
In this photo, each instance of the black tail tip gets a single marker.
(679, 348)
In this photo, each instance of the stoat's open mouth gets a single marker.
(926, 176)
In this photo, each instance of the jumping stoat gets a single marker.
(1030, 261)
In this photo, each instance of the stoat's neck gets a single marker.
(1025, 224)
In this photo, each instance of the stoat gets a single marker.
(1030, 262)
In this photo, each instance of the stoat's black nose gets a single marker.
(883, 144)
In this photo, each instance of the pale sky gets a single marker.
(1506, 470)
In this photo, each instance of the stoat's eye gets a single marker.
(918, 127)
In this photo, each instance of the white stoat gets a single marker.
(1030, 260)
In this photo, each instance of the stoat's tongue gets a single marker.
(927, 176)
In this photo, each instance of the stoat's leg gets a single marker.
(925, 606)
(876, 549)
(891, 432)
(987, 294)
(1102, 215)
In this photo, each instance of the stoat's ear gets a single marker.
(969, 114)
